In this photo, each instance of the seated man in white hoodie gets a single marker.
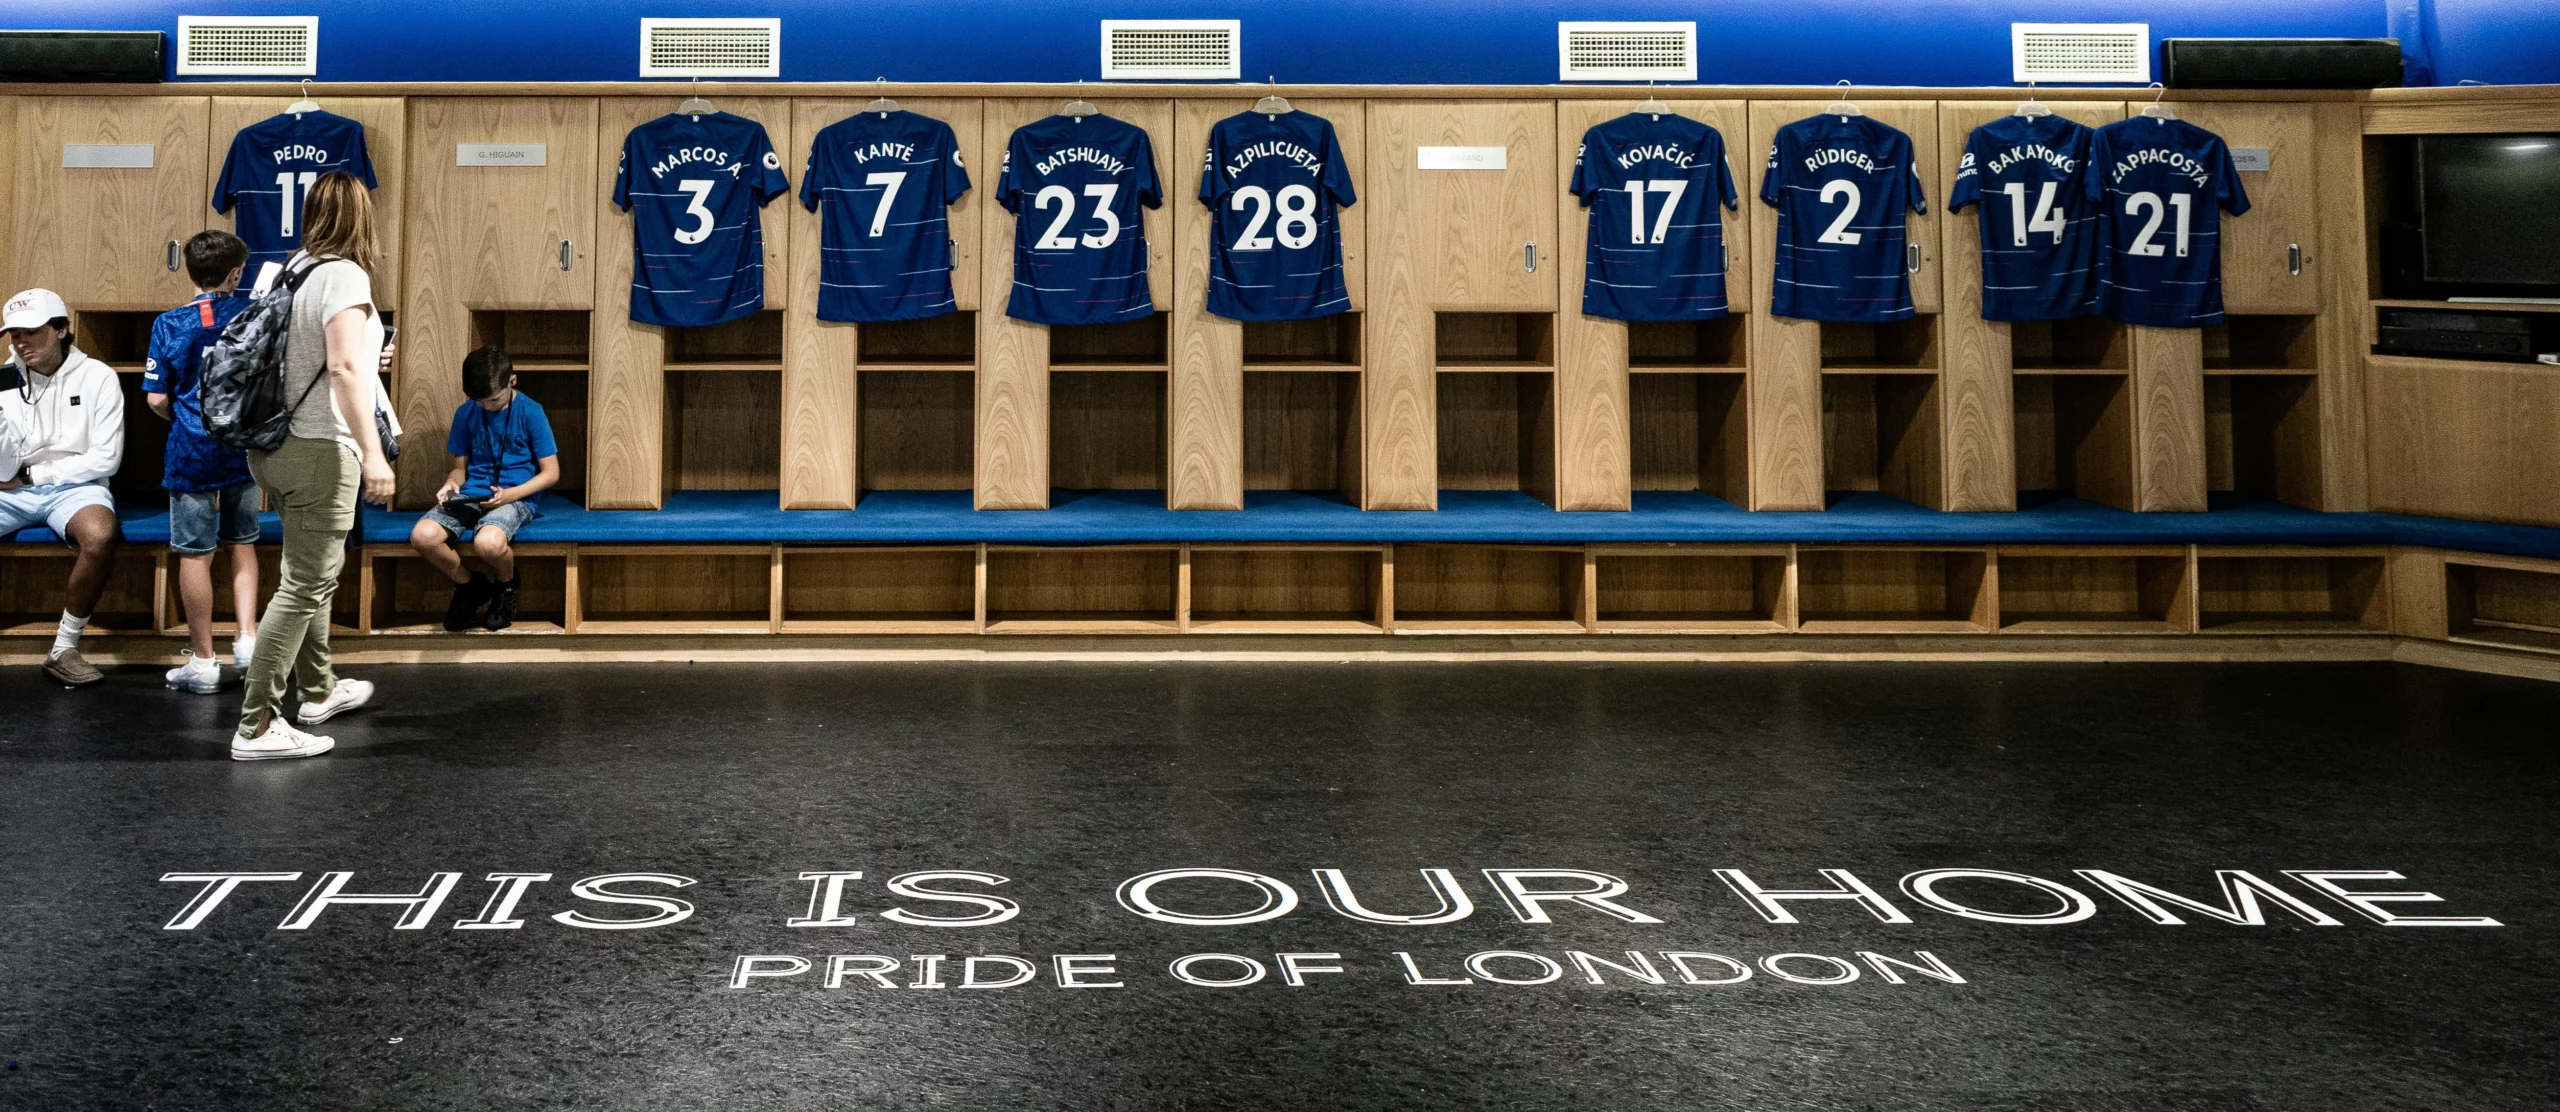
(61, 436)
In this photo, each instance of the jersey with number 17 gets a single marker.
(1656, 247)
(1273, 184)
(1841, 185)
(1075, 185)
(270, 170)
(693, 185)
(2158, 185)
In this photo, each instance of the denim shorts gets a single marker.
(50, 506)
(199, 519)
(507, 518)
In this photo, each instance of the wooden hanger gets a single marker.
(882, 104)
(1079, 108)
(1275, 104)
(694, 105)
(1843, 106)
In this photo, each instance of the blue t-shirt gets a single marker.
(1075, 186)
(884, 239)
(195, 461)
(270, 170)
(693, 185)
(1841, 185)
(2158, 185)
(2039, 221)
(1274, 185)
(505, 448)
(1656, 246)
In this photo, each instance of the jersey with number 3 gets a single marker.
(270, 170)
(1274, 185)
(1841, 185)
(2159, 185)
(882, 183)
(1075, 185)
(2039, 225)
(693, 185)
(1656, 248)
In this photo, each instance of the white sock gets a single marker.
(66, 636)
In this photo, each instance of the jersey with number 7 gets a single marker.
(1841, 185)
(1075, 185)
(882, 184)
(2163, 182)
(2039, 222)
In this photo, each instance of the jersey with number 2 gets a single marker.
(270, 170)
(1841, 185)
(693, 185)
(1075, 185)
(2163, 181)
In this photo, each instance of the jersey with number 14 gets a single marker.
(1656, 247)
(2039, 224)
(1273, 184)
(270, 170)
(2158, 185)
(1841, 185)
(692, 185)
(1075, 185)
(882, 183)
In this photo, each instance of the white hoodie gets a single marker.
(67, 427)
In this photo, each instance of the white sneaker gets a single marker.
(346, 696)
(279, 741)
(201, 675)
(242, 648)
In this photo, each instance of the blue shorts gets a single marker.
(201, 519)
(507, 519)
(51, 506)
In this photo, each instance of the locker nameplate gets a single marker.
(2250, 158)
(106, 156)
(501, 154)
(1462, 158)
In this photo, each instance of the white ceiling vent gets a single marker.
(1626, 51)
(249, 45)
(710, 48)
(1195, 49)
(2102, 53)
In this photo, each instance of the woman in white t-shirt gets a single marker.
(331, 456)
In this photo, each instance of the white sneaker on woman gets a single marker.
(346, 696)
(201, 675)
(279, 741)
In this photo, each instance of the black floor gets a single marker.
(1070, 779)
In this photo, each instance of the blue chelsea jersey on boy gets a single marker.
(270, 170)
(882, 183)
(1656, 246)
(2039, 222)
(2158, 186)
(1274, 185)
(1841, 185)
(1076, 185)
(693, 185)
(195, 462)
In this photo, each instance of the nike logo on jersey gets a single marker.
(2177, 162)
(1275, 148)
(300, 152)
(1655, 152)
(686, 156)
(1833, 156)
(1099, 159)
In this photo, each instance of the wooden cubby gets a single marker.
(1485, 588)
(1107, 430)
(2509, 603)
(1302, 431)
(1133, 343)
(119, 339)
(2076, 345)
(1908, 346)
(146, 445)
(723, 406)
(34, 579)
(2262, 344)
(1320, 344)
(749, 343)
(1674, 588)
(1689, 432)
(676, 588)
(1665, 345)
(1498, 432)
(880, 590)
(1896, 590)
(401, 594)
(2262, 437)
(1493, 341)
(1117, 589)
(2075, 435)
(1880, 432)
(917, 430)
(2291, 590)
(1288, 589)
(2072, 589)
(944, 342)
(563, 397)
(534, 339)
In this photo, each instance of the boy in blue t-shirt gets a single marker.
(213, 502)
(502, 456)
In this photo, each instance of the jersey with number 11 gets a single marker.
(1075, 185)
(2163, 182)
(270, 170)
(1841, 185)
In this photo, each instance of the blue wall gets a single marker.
(1875, 42)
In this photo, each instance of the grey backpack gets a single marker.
(242, 387)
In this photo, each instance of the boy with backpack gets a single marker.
(213, 501)
(503, 456)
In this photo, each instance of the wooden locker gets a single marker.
(2258, 249)
(102, 237)
(386, 144)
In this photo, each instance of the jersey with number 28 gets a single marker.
(2163, 181)
(1841, 185)
(1653, 184)
(270, 170)
(882, 183)
(1075, 185)
(1273, 183)
(693, 185)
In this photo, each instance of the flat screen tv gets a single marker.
(2489, 214)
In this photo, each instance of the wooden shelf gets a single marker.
(1689, 625)
(915, 366)
(2470, 306)
(1111, 368)
(1082, 623)
(1302, 366)
(1889, 370)
(773, 365)
(1496, 366)
(2508, 602)
(1887, 623)
(2291, 589)
(538, 364)
(1496, 624)
(1283, 624)
(883, 625)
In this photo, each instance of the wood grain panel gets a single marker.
(9, 195)
(386, 143)
(1013, 355)
(2462, 439)
(100, 237)
(2256, 274)
(2460, 117)
(2168, 419)
(1783, 391)
(2338, 200)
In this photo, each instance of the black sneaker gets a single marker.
(460, 614)
(502, 603)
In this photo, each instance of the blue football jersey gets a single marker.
(1274, 186)
(1075, 185)
(270, 169)
(2158, 186)
(1841, 185)
(2039, 224)
(882, 184)
(1656, 248)
(173, 366)
(692, 185)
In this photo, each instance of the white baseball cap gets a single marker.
(32, 309)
